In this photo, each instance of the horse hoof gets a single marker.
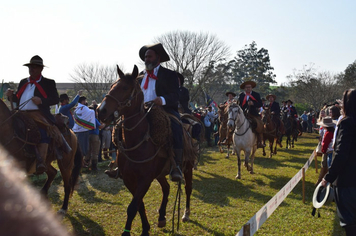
(161, 223)
(185, 219)
(264, 154)
(227, 156)
(251, 172)
(62, 212)
(237, 177)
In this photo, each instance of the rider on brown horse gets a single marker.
(275, 110)
(161, 86)
(230, 99)
(250, 102)
(35, 95)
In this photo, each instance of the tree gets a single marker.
(308, 86)
(252, 63)
(193, 55)
(94, 79)
(349, 78)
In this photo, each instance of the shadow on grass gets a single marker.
(84, 225)
(213, 189)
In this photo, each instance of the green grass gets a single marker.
(220, 205)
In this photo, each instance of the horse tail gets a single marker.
(78, 158)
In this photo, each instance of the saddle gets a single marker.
(26, 125)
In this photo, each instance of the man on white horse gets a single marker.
(250, 102)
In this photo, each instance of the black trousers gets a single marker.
(177, 131)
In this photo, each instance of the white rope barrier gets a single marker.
(266, 211)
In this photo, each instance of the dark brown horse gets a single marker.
(20, 148)
(271, 132)
(139, 159)
(224, 131)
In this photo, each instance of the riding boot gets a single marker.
(322, 173)
(259, 141)
(40, 157)
(176, 173)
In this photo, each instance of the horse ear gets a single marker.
(135, 72)
(119, 72)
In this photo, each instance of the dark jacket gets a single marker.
(257, 103)
(167, 86)
(343, 167)
(184, 99)
(49, 86)
(274, 108)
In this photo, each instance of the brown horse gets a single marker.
(139, 159)
(22, 149)
(224, 131)
(271, 132)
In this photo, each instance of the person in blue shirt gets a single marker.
(304, 117)
(94, 145)
(66, 107)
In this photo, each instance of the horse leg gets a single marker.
(252, 157)
(271, 141)
(263, 151)
(51, 174)
(247, 157)
(238, 176)
(188, 176)
(135, 206)
(228, 151)
(162, 210)
(220, 148)
(145, 225)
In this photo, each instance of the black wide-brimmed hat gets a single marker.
(252, 83)
(181, 77)
(322, 195)
(35, 60)
(271, 95)
(233, 94)
(158, 48)
(289, 101)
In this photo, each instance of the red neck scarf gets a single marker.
(150, 74)
(31, 81)
(248, 94)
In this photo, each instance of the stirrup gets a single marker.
(176, 176)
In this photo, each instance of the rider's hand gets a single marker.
(9, 92)
(250, 102)
(157, 101)
(324, 182)
(36, 100)
(80, 92)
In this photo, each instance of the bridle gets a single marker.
(127, 102)
(120, 123)
(239, 127)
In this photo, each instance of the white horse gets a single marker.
(243, 138)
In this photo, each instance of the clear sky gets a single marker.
(108, 32)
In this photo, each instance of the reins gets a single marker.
(121, 124)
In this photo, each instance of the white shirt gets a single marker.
(26, 96)
(149, 94)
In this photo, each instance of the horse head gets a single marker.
(125, 95)
(234, 112)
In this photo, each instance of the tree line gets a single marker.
(204, 60)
